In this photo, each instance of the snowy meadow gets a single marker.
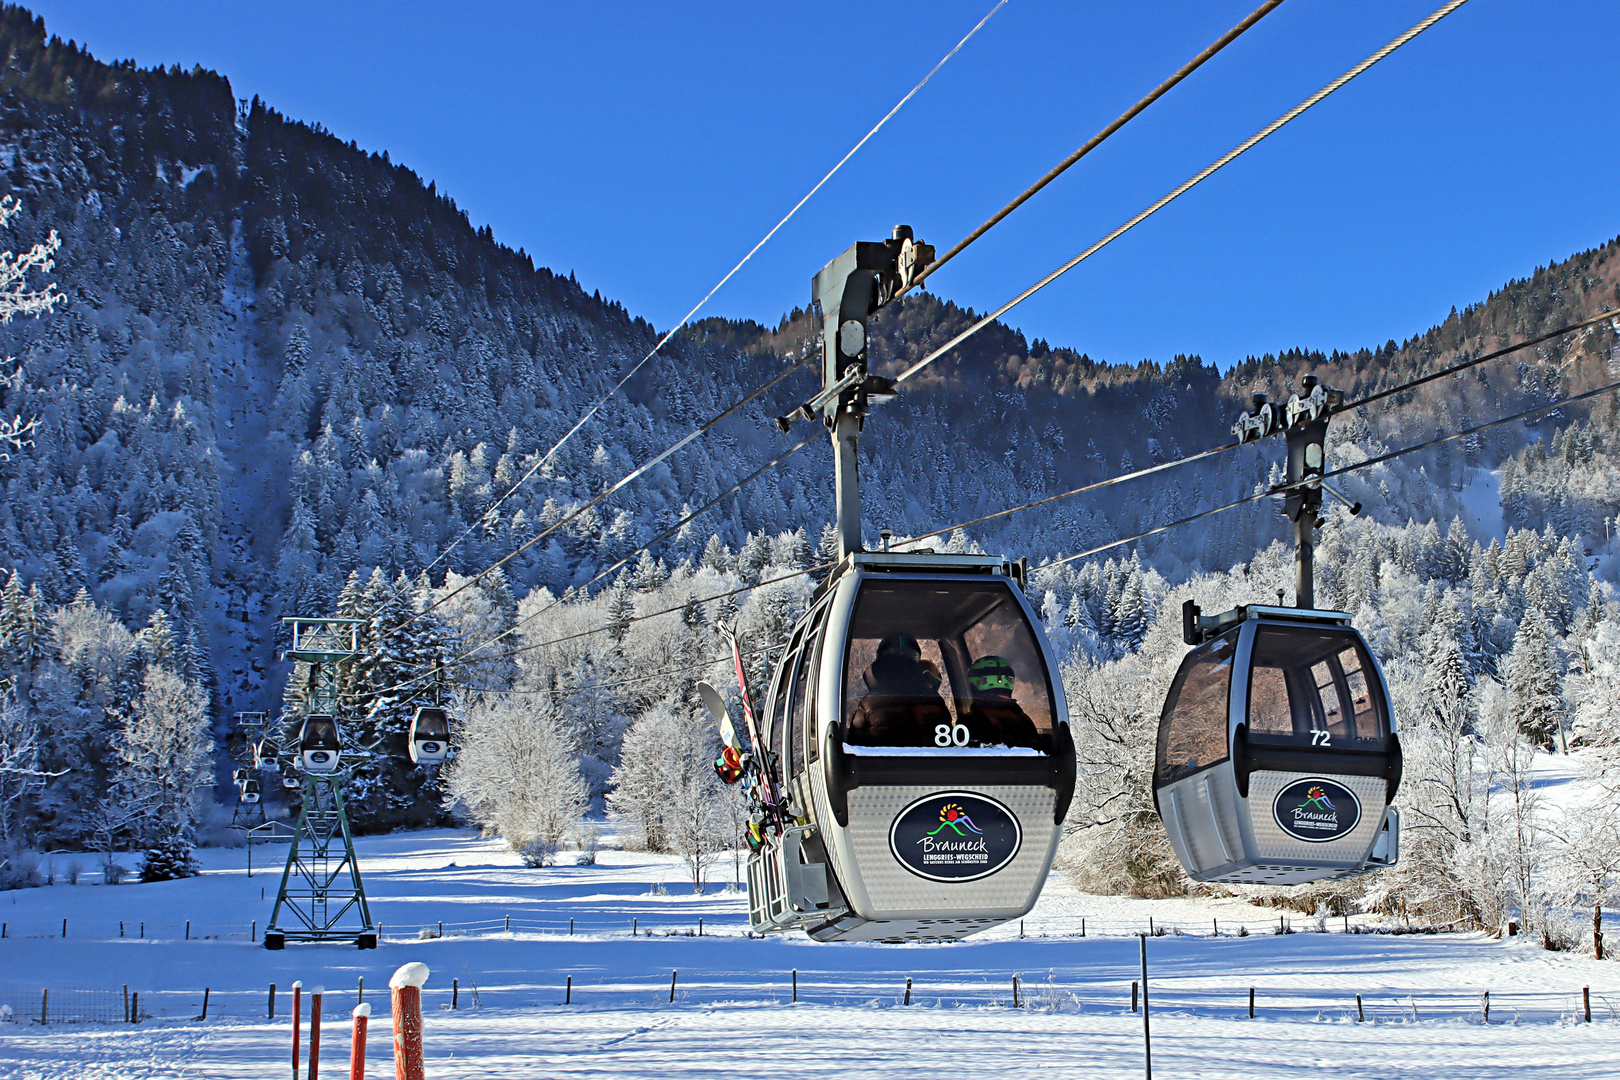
(636, 923)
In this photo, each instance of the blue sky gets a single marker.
(647, 146)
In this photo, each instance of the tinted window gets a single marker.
(1315, 687)
(908, 678)
(1193, 726)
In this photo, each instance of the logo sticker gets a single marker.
(1316, 810)
(955, 836)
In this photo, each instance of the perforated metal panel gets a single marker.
(1274, 845)
(893, 892)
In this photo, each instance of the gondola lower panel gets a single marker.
(1221, 837)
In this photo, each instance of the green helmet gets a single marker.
(991, 673)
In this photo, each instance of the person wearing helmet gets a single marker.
(993, 717)
(902, 705)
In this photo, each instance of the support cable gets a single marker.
(1283, 488)
(1210, 170)
(639, 364)
(649, 545)
(1608, 316)
(628, 477)
(1453, 369)
(1097, 140)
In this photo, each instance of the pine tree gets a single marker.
(1532, 681)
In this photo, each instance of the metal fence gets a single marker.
(64, 1005)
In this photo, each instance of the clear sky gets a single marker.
(647, 146)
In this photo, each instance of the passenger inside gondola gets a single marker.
(993, 716)
(901, 706)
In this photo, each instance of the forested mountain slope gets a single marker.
(286, 363)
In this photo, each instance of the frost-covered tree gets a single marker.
(1532, 675)
(166, 754)
(20, 297)
(515, 773)
(665, 790)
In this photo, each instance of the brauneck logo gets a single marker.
(955, 836)
(1316, 810)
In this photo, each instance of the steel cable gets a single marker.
(1098, 139)
(546, 458)
(1198, 178)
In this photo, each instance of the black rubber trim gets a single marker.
(1262, 758)
(843, 772)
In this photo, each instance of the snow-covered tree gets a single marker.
(515, 773)
(665, 789)
(166, 754)
(1533, 681)
(20, 297)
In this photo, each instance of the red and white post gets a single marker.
(315, 993)
(298, 1005)
(357, 1048)
(406, 986)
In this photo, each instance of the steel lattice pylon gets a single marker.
(322, 897)
(320, 886)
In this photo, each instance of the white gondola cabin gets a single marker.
(1277, 756)
(251, 790)
(924, 751)
(429, 742)
(319, 746)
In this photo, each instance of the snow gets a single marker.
(1481, 500)
(733, 1013)
(413, 974)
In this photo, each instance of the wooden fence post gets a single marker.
(270, 1010)
(908, 991)
(1361, 1017)
(406, 988)
(126, 1003)
(672, 975)
(206, 992)
(455, 993)
(315, 993)
(1251, 1003)
(1133, 996)
(135, 1007)
(357, 1045)
(1485, 1006)
(568, 992)
(1586, 1002)
(795, 985)
(1016, 1004)
(45, 1006)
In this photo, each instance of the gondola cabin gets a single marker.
(318, 744)
(429, 742)
(1277, 757)
(251, 790)
(924, 750)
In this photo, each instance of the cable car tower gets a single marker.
(1277, 759)
(321, 896)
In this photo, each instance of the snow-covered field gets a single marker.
(733, 1014)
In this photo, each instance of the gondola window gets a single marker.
(1311, 689)
(1193, 733)
(952, 668)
